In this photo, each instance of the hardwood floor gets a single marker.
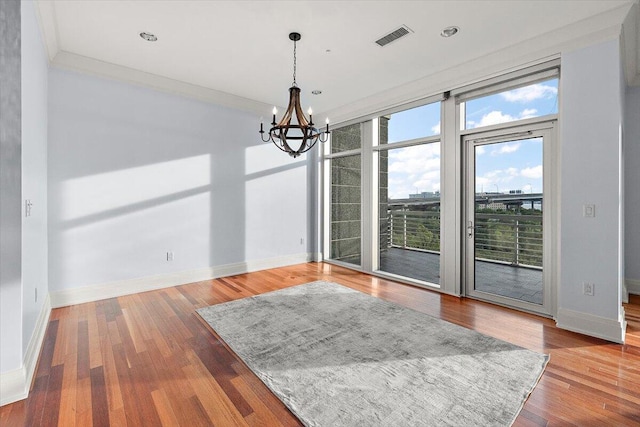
(148, 359)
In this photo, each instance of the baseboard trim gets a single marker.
(102, 291)
(633, 286)
(12, 386)
(625, 293)
(15, 385)
(595, 326)
(317, 257)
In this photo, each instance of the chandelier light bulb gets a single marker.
(310, 111)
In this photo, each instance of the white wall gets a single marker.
(632, 184)
(591, 118)
(134, 173)
(632, 181)
(34, 171)
(10, 190)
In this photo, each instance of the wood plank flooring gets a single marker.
(149, 360)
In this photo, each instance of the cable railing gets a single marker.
(503, 238)
(512, 239)
(414, 230)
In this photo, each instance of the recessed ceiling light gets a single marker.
(148, 37)
(450, 31)
(316, 92)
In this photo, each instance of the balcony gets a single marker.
(508, 250)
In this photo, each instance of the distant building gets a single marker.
(425, 195)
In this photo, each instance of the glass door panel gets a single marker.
(504, 229)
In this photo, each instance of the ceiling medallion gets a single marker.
(302, 135)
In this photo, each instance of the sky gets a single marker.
(500, 167)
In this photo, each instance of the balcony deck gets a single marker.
(521, 283)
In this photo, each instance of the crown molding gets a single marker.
(46, 13)
(630, 45)
(83, 64)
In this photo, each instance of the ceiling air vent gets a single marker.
(393, 36)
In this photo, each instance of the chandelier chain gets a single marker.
(294, 63)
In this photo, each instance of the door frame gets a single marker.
(547, 131)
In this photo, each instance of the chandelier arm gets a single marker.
(268, 138)
(323, 137)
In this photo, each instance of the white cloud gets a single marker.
(414, 169)
(528, 113)
(497, 180)
(505, 149)
(480, 149)
(530, 93)
(533, 173)
(497, 117)
(494, 118)
(436, 129)
(415, 160)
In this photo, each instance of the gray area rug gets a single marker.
(339, 357)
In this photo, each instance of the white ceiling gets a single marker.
(242, 47)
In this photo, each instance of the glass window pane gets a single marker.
(409, 212)
(346, 138)
(539, 99)
(346, 178)
(415, 123)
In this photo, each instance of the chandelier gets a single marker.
(292, 138)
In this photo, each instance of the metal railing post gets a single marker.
(390, 228)
(517, 243)
(404, 236)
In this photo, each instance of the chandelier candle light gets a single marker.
(284, 132)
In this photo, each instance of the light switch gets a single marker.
(589, 211)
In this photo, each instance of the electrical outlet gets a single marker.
(589, 211)
(169, 256)
(588, 289)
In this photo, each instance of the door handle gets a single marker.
(470, 229)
